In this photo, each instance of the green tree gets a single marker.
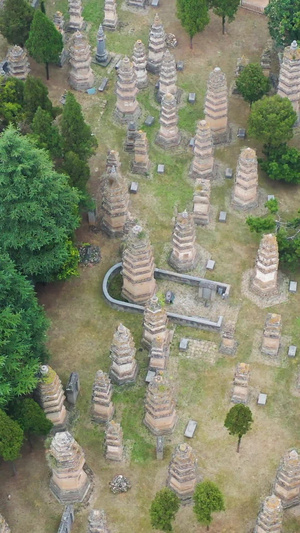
(46, 133)
(252, 84)
(284, 20)
(23, 327)
(271, 121)
(193, 15)
(36, 95)
(208, 499)
(77, 170)
(163, 509)
(282, 164)
(225, 8)
(238, 421)
(15, 20)
(45, 42)
(39, 210)
(11, 438)
(30, 417)
(77, 135)
(11, 101)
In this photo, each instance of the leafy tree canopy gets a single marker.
(45, 42)
(77, 170)
(11, 101)
(46, 133)
(23, 327)
(163, 509)
(30, 417)
(36, 95)
(39, 210)
(207, 499)
(252, 84)
(271, 120)
(77, 135)
(282, 164)
(193, 15)
(238, 421)
(15, 20)
(11, 438)
(225, 8)
(284, 20)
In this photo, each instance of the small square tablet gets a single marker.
(180, 65)
(154, 3)
(192, 98)
(149, 120)
(292, 351)
(150, 376)
(222, 216)
(293, 286)
(241, 133)
(160, 169)
(262, 399)
(271, 197)
(190, 429)
(183, 345)
(192, 142)
(210, 265)
(134, 187)
(228, 173)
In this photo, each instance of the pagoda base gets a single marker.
(163, 430)
(168, 143)
(126, 379)
(125, 118)
(140, 168)
(103, 62)
(70, 496)
(183, 267)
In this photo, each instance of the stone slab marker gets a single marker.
(216, 105)
(81, 75)
(130, 137)
(169, 134)
(269, 519)
(114, 441)
(201, 202)
(110, 21)
(168, 75)
(182, 473)
(139, 61)
(102, 406)
(18, 63)
(67, 520)
(50, 396)
(245, 193)
(127, 108)
(124, 367)
(184, 255)
(76, 22)
(289, 76)
(4, 526)
(115, 203)
(160, 417)
(138, 268)
(228, 344)
(287, 482)
(102, 56)
(272, 334)
(137, 3)
(141, 162)
(97, 522)
(155, 322)
(157, 46)
(264, 282)
(69, 482)
(203, 162)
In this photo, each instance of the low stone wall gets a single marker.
(182, 320)
(192, 280)
(258, 6)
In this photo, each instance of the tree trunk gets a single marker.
(14, 468)
(47, 70)
(239, 443)
(191, 43)
(43, 10)
(223, 25)
(207, 528)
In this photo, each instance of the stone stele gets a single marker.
(245, 193)
(272, 335)
(182, 477)
(216, 105)
(110, 21)
(124, 367)
(203, 161)
(127, 108)
(264, 282)
(157, 46)
(114, 441)
(160, 417)
(184, 256)
(97, 522)
(50, 395)
(139, 61)
(115, 203)
(102, 406)
(289, 77)
(81, 75)
(18, 63)
(169, 134)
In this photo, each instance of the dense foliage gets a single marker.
(77, 169)
(39, 210)
(163, 509)
(76, 133)
(46, 134)
(252, 84)
(225, 8)
(238, 421)
(11, 101)
(11, 438)
(30, 417)
(207, 499)
(35, 96)
(284, 20)
(15, 21)
(193, 15)
(282, 164)
(45, 42)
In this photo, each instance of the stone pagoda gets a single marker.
(141, 162)
(269, 519)
(272, 335)
(203, 162)
(139, 61)
(160, 417)
(69, 482)
(130, 137)
(102, 406)
(18, 64)
(81, 75)
(124, 367)
(168, 76)
(115, 202)
(50, 395)
(4, 526)
(201, 202)
(113, 160)
(76, 22)
(169, 134)
(114, 441)
(287, 482)
(97, 522)
(103, 58)
(245, 193)
(240, 392)
(264, 282)
(155, 322)
(184, 255)
(127, 108)
(159, 353)
(228, 344)
(182, 477)
(216, 105)
(59, 22)
(289, 77)
(138, 268)
(157, 46)
(110, 21)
